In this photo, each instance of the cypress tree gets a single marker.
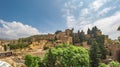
(94, 54)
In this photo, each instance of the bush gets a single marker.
(45, 47)
(18, 46)
(67, 56)
(32, 61)
(103, 65)
(114, 64)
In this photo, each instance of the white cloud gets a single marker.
(94, 13)
(106, 10)
(71, 6)
(15, 30)
(84, 12)
(108, 25)
(80, 4)
(97, 4)
(71, 22)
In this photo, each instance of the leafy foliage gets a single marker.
(114, 64)
(119, 39)
(5, 47)
(94, 54)
(78, 37)
(88, 31)
(102, 49)
(32, 61)
(119, 28)
(18, 46)
(58, 31)
(67, 56)
(118, 55)
(103, 65)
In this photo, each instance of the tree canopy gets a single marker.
(94, 54)
(119, 28)
(67, 56)
(58, 31)
(32, 61)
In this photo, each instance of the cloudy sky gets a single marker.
(22, 18)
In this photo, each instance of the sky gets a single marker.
(23, 18)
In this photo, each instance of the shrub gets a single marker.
(18, 46)
(114, 64)
(32, 61)
(103, 65)
(67, 56)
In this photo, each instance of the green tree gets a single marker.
(119, 36)
(119, 28)
(81, 36)
(114, 64)
(5, 47)
(94, 54)
(51, 59)
(31, 61)
(58, 31)
(118, 55)
(67, 56)
(94, 30)
(119, 39)
(18, 46)
(88, 31)
(103, 65)
(90, 41)
(102, 49)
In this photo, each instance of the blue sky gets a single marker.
(21, 18)
(45, 15)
